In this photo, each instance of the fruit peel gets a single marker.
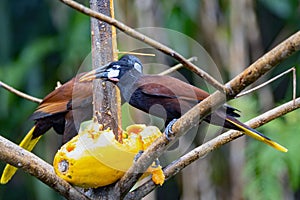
(94, 158)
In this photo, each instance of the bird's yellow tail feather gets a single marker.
(257, 135)
(27, 143)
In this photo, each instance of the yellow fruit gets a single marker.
(158, 176)
(94, 158)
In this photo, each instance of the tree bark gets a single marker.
(105, 97)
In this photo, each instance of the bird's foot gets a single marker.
(168, 131)
(138, 155)
(156, 163)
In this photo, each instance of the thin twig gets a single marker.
(147, 40)
(176, 67)
(21, 94)
(198, 112)
(294, 85)
(271, 80)
(176, 166)
(30, 163)
(136, 53)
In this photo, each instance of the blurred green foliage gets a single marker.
(42, 42)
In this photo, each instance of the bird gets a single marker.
(72, 100)
(63, 109)
(176, 97)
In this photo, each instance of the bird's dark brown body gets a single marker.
(167, 97)
(172, 96)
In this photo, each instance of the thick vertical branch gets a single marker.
(104, 96)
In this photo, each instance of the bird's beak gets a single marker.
(94, 74)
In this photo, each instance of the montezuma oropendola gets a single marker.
(175, 96)
(57, 110)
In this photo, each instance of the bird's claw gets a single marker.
(168, 130)
(138, 155)
(156, 163)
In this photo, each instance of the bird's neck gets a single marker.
(127, 84)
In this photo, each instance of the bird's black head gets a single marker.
(115, 70)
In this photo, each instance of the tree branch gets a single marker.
(176, 67)
(198, 112)
(19, 93)
(30, 163)
(260, 67)
(293, 69)
(237, 84)
(147, 40)
(104, 95)
(179, 164)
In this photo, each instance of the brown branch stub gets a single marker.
(30, 163)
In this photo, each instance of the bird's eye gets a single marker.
(115, 67)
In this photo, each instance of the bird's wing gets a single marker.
(169, 87)
(60, 100)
